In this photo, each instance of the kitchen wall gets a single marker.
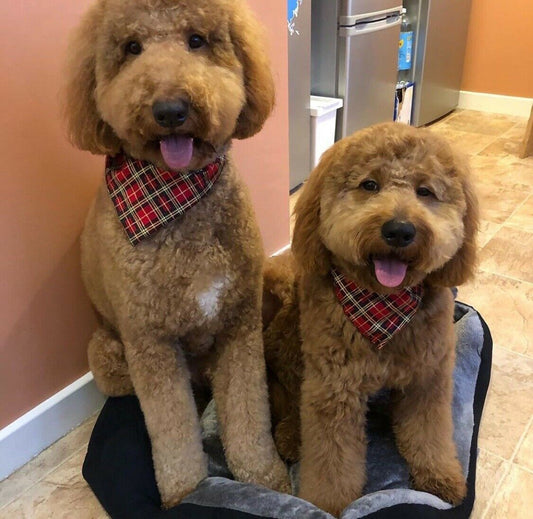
(47, 187)
(499, 52)
(263, 160)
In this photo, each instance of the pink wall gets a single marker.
(499, 50)
(46, 190)
(264, 159)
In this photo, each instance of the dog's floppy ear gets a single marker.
(310, 253)
(248, 40)
(86, 129)
(462, 266)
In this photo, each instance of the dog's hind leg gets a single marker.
(424, 434)
(287, 437)
(108, 363)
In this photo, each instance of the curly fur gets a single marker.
(182, 308)
(338, 223)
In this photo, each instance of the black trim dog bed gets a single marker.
(118, 465)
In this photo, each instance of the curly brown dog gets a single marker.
(385, 223)
(162, 87)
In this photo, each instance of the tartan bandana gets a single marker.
(146, 197)
(378, 317)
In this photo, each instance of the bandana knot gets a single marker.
(376, 316)
(146, 197)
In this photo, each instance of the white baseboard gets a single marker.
(498, 104)
(282, 250)
(39, 428)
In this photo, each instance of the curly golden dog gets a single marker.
(384, 225)
(162, 87)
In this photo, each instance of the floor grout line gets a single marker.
(521, 441)
(509, 463)
(517, 208)
(497, 487)
(509, 466)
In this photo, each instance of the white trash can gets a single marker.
(323, 120)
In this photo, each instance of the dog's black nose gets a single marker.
(170, 114)
(397, 233)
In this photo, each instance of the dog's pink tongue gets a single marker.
(177, 151)
(390, 272)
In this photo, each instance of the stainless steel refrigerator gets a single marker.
(354, 56)
(299, 33)
(441, 28)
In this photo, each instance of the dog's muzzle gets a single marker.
(397, 233)
(170, 114)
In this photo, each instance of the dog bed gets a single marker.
(118, 465)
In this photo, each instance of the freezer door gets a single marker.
(367, 69)
(354, 7)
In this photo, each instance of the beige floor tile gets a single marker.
(467, 143)
(524, 457)
(69, 472)
(514, 499)
(487, 230)
(489, 472)
(482, 122)
(507, 306)
(446, 119)
(45, 462)
(508, 173)
(509, 253)
(518, 131)
(444, 122)
(504, 147)
(522, 218)
(61, 495)
(509, 405)
(498, 203)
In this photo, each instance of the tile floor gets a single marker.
(51, 486)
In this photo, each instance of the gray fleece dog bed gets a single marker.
(118, 465)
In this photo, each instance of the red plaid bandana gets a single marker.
(378, 317)
(146, 198)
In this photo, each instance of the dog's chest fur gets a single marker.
(412, 354)
(185, 279)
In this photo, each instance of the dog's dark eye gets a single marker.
(196, 41)
(424, 191)
(370, 185)
(133, 47)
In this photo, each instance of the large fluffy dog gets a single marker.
(384, 225)
(162, 86)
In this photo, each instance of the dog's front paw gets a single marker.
(449, 486)
(280, 478)
(275, 476)
(174, 489)
(329, 502)
(171, 499)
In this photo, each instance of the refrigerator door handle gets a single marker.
(370, 22)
